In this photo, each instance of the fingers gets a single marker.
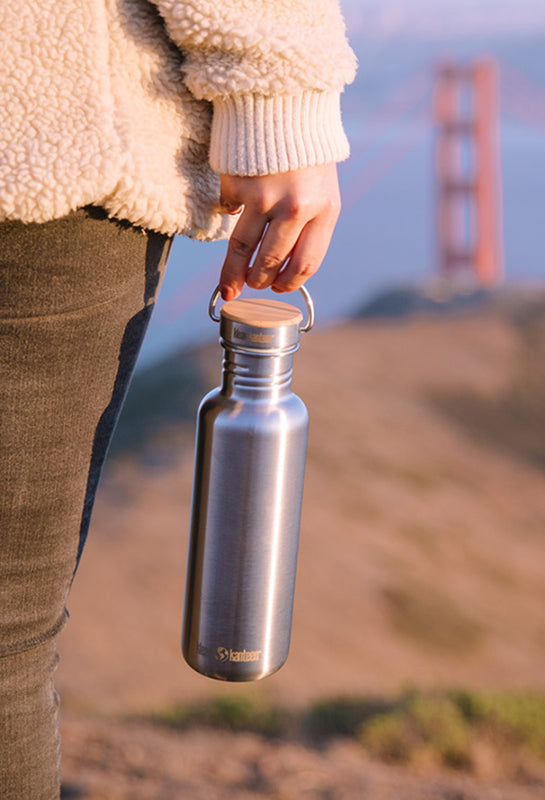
(242, 245)
(306, 257)
(311, 246)
(289, 251)
(274, 243)
(274, 250)
(286, 223)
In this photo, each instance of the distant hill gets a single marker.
(162, 404)
(408, 301)
(436, 298)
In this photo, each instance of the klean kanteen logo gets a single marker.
(263, 338)
(223, 654)
(227, 654)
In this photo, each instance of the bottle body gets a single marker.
(246, 509)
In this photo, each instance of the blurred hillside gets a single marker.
(423, 536)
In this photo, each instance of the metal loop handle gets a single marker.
(310, 309)
(216, 294)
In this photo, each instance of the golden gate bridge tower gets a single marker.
(468, 173)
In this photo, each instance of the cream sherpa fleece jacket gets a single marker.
(137, 106)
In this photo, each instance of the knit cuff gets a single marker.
(257, 135)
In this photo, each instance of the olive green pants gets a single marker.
(76, 295)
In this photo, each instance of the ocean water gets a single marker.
(386, 234)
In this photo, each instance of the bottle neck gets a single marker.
(258, 375)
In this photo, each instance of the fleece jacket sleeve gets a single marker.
(273, 70)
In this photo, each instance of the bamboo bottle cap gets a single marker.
(259, 313)
(260, 324)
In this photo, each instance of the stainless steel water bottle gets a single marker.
(247, 494)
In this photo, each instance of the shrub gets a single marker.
(340, 716)
(238, 713)
(442, 728)
(516, 718)
(420, 723)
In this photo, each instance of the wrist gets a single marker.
(257, 135)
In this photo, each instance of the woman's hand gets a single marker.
(287, 221)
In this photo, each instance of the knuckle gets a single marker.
(269, 262)
(259, 201)
(294, 208)
(253, 282)
(333, 206)
(240, 248)
(261, 204)
(307, 268)
(257, 281)
(289, 282)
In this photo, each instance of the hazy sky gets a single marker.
(437, 18)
